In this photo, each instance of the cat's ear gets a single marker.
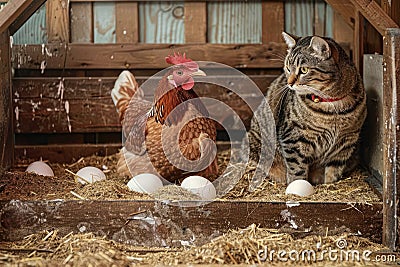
(320, 47)
(290, 39)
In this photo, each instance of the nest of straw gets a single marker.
(27, 186)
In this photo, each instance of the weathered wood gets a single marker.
(195, 22)
(25, 15)
(81, 23)
(39, 103)
(358, 41)
(392, 8)
(127, 24)
(235, 22)
(273, 21)
(346, 9)
(12, 11)
(6, 130)
(65, 153)
(161, 224)
(391, 139)
(57, 21)
(104, 22)
(144, 56)
(162, 22)
(372, 11)
(342, 31)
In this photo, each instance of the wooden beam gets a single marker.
(6, 128)
(81, 23)
(273, 21)
(391, 142)
(57, 21)
(358, 41)
(173, 222)
(144, 56)
(373, 12)
(195, 20)
(11, 11)
(25, 15)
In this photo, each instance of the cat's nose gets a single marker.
(291, 80)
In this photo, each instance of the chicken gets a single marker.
(172, 136)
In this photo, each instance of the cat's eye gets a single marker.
(303, 70)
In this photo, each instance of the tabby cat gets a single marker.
(319, 106)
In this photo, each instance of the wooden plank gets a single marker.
(81, 23)
(39, 104)
(57, 21)
(358, 41)
(195, 20)
(342, 31)
(127, 24)
(174, 222)
(11, 12)
(6, 130)
(104, 22)
(372, 11)
(162, 22)
(392, 8)
(145, 56)
(235, 22)
(273, 21)
(65, 153)
(391, 142)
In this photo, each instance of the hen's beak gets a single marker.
(198, 73)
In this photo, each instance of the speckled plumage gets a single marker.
(185, 131)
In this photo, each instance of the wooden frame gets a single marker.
(82, 57)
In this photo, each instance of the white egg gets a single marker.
(145, 183)
(300, 187)
(90, 175)
(41, 168)
(200, 186)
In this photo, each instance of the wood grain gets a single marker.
(195, 22)
(145, 56)
(28, 15)
(81, 22)
(170, 222)
(345, 8)
(12, 11)
(391, 138)
(39, 103)
(273, 21)
(127, 22)
(372, 11)
(57, 21)
(104, 22)
(6, 130)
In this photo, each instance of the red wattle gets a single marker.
(189, 84)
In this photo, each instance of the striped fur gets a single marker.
(316, 141)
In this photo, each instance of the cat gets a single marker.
(319, 106)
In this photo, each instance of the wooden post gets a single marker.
(6, 131)
(391, 176)
(127, 24)
(359, 41)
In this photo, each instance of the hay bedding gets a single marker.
(27, 186)
(238, 246)
(235, 247)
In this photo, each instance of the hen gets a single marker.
(172, 136)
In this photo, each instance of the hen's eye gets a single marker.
(303, 70)
(180, 73)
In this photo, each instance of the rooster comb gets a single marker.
(178, 59)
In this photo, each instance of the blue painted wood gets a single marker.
(34, 29)
(235, 22)
(308, 17)
(162, 22)
(104, 22)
